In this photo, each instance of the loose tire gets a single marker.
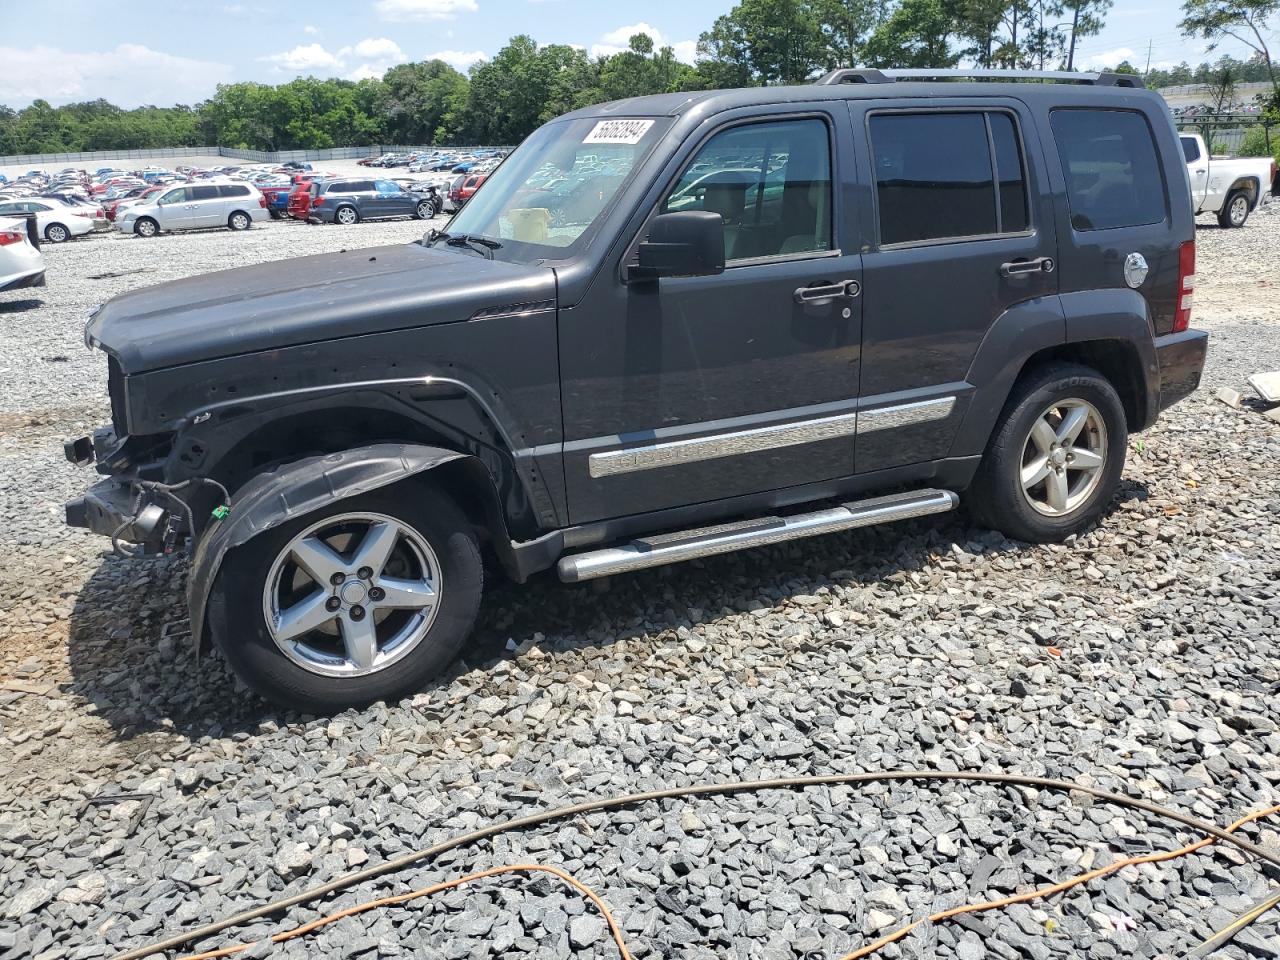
(57, 233)
(346, 216)
(146, 227)
(1235, 211)
(424, 211)
(1054, 461)
(367, 599)
(239, 221)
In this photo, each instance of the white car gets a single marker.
(208, 203)
(1230, 187)
(58, 221)
(21, 262)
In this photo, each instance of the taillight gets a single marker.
(11, 236)
(262, 202)
(318, 201)
(1186, 285)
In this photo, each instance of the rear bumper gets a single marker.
(35, 279)
(1181, 358)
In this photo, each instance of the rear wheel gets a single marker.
(347, 216)
(239, 221)
(1235, 211)
(365, 600)
(1055, 458)
(57, 233)
(146, 227)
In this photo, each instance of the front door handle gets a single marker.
(828, 291)
(1016, 267)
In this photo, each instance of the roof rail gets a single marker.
(1103, 79)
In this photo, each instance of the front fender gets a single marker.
(295, 490)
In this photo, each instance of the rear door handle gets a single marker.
(828, 291)
(1038, 265)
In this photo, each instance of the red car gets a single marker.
(110, 207)
(300, 196)
(466, 189)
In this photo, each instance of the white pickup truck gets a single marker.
(1231, 188)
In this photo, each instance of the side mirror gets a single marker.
(685, 244)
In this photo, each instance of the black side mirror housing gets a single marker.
(689, 243)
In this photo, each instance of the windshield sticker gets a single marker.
(618, 131)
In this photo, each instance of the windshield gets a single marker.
(546, 198)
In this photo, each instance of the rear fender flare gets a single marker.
(303, 487)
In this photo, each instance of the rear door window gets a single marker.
(948, 175)
(1190, 149)
(1109, 161)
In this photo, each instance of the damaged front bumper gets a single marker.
(120, 506)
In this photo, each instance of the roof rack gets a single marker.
(1102, 79)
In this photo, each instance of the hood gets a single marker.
(309, 299)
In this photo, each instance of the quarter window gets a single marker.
(942, 175)
(1109, 160)
(771, 182)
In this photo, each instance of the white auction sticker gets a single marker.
(618, 131)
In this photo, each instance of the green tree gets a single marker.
(1088, 17)
(770, 41)
(722, 56)
(917, 34)
(417, 97)
(847, 26)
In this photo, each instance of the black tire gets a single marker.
(996, 497)
(239, 220)
(238, 623)
(275, 214)
(1235, 211)
(57, 233)
(437, 206)
(346, 210)
(146, 227)
(424, 210)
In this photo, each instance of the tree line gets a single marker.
(525, 84)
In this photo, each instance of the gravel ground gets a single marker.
(1141, 658)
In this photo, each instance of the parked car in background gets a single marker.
(465, 188)
(58, 221)
(1231, 188)
(21, 262)
(195, 206)
(350, 200)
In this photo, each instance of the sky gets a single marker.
(178, 51)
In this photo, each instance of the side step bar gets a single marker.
(709, 541)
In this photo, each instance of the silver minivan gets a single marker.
(195, 206)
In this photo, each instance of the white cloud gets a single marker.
(309, 56)
(130, 75)
(379, 48)
(310, 30)
(400, 10)
(461, 60)
(615, 41)
(1108, 59)
(365, 72)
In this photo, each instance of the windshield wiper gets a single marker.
(486, 245)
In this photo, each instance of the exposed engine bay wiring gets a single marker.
(1211, 831)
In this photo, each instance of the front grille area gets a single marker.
(115, 391)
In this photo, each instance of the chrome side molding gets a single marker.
(725, 538)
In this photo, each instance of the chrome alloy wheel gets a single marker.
(1239, 209)
(346, 216)
(352, 594)
(1063, 457)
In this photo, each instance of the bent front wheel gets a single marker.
(365, 600)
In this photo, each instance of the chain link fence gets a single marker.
(256, 156)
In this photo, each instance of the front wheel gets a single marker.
(365, 600)
(146, 227)
(1054, 461)
(424, 210)
(1235, 211)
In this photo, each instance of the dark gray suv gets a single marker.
(665, 329)
(348, 201)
